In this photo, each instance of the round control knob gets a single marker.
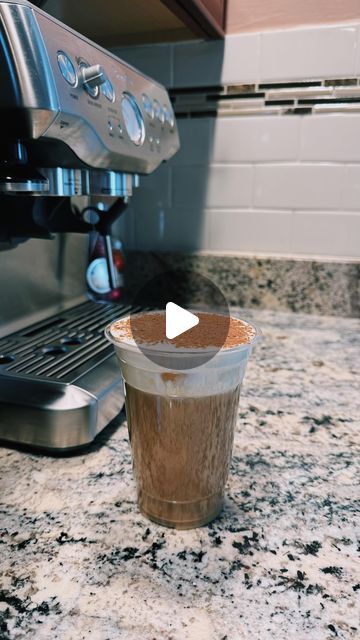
(93, 77)
(169, 116)
(67, 68)
(108, 90)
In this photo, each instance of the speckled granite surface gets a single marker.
(306, 286)
(78, 561)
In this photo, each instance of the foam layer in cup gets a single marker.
(214, 330)
(221, 372)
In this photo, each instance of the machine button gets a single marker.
(108, 90)
(133, 119)
(158, 112)
(110, 126)
(93, 76)
(67, 68)
(169, 116)
(148, 106)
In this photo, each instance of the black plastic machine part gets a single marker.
(41, 216)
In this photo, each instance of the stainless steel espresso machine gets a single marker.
(74, 121)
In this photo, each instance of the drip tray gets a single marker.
(60, 383)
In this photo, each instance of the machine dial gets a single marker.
(169, 116)
(108, 90)
(133, 119)
(93, 76)
(67, 68)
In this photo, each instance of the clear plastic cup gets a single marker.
(181, 427)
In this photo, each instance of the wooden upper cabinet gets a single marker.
(206, 18)
(115, 23)
(259, 15)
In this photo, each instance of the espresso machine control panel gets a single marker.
(127, 119)
(76, 104)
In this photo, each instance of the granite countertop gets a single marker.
(77, 560)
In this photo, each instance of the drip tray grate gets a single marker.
(63, 347)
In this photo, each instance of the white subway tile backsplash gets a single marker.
(253, 183)
(166, 229)
(308, 186)
(155, 188)
(306, 233)
(257, 139)
(233, 60)
(196, 136)
(198, 63)
(153, 60)
(285, 55)
(309, 53)
(230, 186)
(241, 58)
(326, 233)
(331, 137)
(357, 58)
(350, 197)
(249, 231)
(213, 186)
(189, 185)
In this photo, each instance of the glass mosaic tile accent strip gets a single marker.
(339, 95)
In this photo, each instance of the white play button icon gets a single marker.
(187, 338)
(178, 320)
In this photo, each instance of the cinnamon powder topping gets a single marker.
(213, 330)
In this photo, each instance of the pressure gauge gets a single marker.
(133, 119)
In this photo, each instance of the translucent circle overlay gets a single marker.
(194, 292)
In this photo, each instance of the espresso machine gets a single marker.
(76, 122)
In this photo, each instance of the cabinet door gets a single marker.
(204, 17)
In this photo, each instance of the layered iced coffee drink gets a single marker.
(181, 411)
